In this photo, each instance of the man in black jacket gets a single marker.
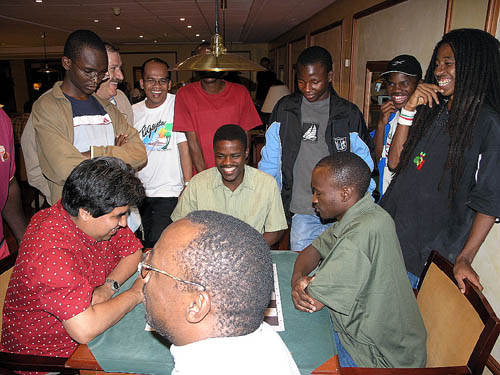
(305, 127)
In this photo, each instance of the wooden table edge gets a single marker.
(83, 359)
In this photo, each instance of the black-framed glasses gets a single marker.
(144, 269)
(92, 74)
(152, 81)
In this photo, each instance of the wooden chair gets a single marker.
(20, 362)
(461, 328)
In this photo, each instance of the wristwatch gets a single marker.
(115, 285)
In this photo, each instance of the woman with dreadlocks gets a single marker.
(445, 193)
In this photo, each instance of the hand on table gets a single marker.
(463, 270)
(101, 294)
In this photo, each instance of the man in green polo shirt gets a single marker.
(362, 277)
(235, 189)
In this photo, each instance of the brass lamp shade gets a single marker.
(218, 61)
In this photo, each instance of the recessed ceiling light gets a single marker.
(141, 36)
(202, 40)
(197, 34)
(189, 26)
(155, 41)
(117, 27)
(182, 19)
(96, 21)
(38, 1)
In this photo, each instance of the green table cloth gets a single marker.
(127, 347)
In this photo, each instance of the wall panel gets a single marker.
(390, 32)
(331, 39)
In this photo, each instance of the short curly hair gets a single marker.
(233, 261)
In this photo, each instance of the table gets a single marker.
(308, 337)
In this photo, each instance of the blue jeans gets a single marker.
(345, 358)
(413, 280)
(305, 228)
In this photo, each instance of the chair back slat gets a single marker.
(453, 325)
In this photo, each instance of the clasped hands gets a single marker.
(301, 299)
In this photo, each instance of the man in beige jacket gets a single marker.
(71, 123)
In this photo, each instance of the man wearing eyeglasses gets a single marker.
(208, 282)
(73, 258)
(72, 123)
(108, 90)
(169, 165)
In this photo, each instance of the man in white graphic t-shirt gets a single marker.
(169, 166)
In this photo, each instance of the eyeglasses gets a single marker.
(92, 74)
(144, 269)
(152, 81)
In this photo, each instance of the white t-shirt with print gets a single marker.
(162, 175)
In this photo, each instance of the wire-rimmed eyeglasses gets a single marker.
(144, 269)
(92, 74)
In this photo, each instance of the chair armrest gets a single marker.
(455, 370)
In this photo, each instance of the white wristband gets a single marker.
(406, 117)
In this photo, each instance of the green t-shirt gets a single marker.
(363, 281)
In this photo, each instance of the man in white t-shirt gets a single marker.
(208, 282)
(402, 76)
(169, 166)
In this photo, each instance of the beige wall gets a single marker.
(469, 13)
(331, 39)
(487, 265)
(390, 32)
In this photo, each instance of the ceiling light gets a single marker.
(38, 1)
(203, 40)
(117, 27)
(46, 68)
(197, 34)
(96, 21)
(182, 19)
(141, 36)
(216, 59)
(189, 26)
(155, 41)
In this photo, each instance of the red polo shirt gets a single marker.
(56, 271)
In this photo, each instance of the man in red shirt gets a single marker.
(74, 256)
(203, 107)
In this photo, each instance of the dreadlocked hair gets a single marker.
(477, 81)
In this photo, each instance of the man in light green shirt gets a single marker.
(235, 189)
(362, 277)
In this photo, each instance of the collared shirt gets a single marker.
(256, 201)
(56, 271)
(260, 352)
(362, 280)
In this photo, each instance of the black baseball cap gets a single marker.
(405, 64)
